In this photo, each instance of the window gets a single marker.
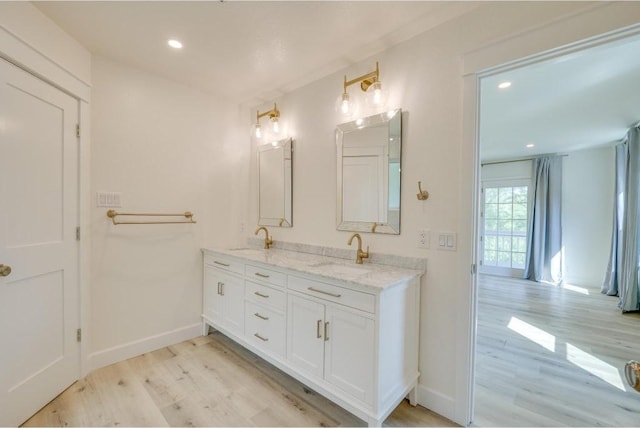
(504, 241)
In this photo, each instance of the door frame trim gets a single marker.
(586, 29)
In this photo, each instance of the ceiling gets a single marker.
(252, 52)
(582, 100)
(247, 51)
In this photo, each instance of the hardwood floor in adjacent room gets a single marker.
(552, 356)
(206, 381)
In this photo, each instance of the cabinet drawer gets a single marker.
(264, 295)
(345, 296)
(228, 264)
(266, 275)
(264, 328)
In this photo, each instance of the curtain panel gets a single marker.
(544, 249)
(623, 268)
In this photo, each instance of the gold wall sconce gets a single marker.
(274, 116)
(370, 84)
(422, 195)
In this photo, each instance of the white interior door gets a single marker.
(39, 302)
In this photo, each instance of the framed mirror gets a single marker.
(274, 184)
(368, 157)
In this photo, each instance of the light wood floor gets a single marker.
(548, 368)
(207, 381)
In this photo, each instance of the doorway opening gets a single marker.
(549, 355)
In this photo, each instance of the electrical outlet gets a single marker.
(424, 239)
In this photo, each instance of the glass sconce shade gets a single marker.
(345, 106)
(376, 96)
(258, 131)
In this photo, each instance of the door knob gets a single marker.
(5, 270)
(632, 372)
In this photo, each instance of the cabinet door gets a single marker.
(232, 291)
(305, 344)
(349, 353)
(212, 300)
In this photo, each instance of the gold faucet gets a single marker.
(359, 254)
(268, 242)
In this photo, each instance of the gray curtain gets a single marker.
(544, 248)
(614, 268)
(622, 272)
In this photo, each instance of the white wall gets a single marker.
(166, 148)
(424, 76)
(507, 171)
(33, 41)
(587, 210)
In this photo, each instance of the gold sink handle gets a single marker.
(359, 253)
(268, 242)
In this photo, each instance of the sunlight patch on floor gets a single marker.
(595, 366)
(575, 288)
(541, 337)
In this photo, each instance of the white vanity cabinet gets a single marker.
(348, 332)
(329, 340)
(223, 296)
(265, 309)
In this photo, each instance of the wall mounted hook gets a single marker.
(422, 195)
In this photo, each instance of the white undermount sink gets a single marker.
(342, 269)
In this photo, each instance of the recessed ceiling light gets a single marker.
(174, 44)
(504, 85)
(530, 146)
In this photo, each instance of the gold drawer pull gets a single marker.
(264, 339)
(262, 317)
(221, 264)
(324, 292)
(257, 293)
(261, 275)
(318, 335)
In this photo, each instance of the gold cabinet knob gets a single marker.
(5, 270)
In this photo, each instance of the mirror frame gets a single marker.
(345, 128)
(286, 145)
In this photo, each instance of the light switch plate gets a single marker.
(447, 241)
(108, 199)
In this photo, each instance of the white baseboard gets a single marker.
(437, 402)
(147, 344)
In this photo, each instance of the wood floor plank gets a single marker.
(205, 381)
(561, 362)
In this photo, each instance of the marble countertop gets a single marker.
(370, 275)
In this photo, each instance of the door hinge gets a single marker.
(78, 130)
(79, 335)
(474, 269)
(78, 233)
